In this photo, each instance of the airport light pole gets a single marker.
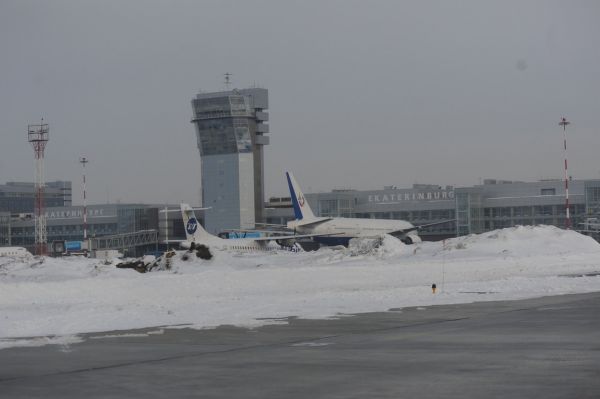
(83, 161)
(37, 135)
(564, 124)
(166, 227)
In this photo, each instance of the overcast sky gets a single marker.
(362, 93)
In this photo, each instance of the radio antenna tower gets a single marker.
(83, 161)
(37, 135)
(228, 79)
(564, 124)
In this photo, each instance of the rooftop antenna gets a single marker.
(228, 79)
(37, 135)
(564, 124)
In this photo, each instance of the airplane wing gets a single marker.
(419, 227)
(290, 237)
(403, 231)
(270, 225)
(313, 222)
(435, 223)
(288, 231)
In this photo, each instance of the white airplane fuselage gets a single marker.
(196, 235)
(235, 244)
(15, 252)
(342, 230)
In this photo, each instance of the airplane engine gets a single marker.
(411, 239)
(286, 243)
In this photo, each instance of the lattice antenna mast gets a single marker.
(37, 135)
(564, 124)
(83, 161)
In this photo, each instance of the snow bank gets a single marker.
(68, 296)
(524, 241)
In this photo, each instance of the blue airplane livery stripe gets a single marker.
(297, 211)
(328, 240)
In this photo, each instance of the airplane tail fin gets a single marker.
(193, 229)
(302, 210)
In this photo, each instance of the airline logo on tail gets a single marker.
(192, 226)
(301, 200)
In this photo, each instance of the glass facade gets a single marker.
(509, 204)
(592, 198)
(5, 233)
(66, 223)
(224, 136)
(136, 219)
(19, 197)
(423, 204)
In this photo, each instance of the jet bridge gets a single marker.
(130, 244)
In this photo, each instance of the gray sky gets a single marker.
(362, 94)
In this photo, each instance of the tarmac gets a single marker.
(536, 348)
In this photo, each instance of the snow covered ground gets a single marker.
(53, 301)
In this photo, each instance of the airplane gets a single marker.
(196, 235)
(339, 230)
(14, 252)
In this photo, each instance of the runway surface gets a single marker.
(538, 348)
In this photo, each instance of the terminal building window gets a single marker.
(520, 211)
(382, 215)
(328, 208)
(548, 191)
(543, 210)
(504, 212)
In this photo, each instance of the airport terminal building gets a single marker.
(492, 205)
(141, 228)
(130, 228)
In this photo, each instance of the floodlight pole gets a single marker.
(83, 161)
(564, 124)
(37, 135)
(166, 227)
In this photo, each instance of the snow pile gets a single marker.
(69, 296)
(54, 269)
(524, 241)
(384, 246)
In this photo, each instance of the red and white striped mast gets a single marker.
(83, 161)
(37, 135)
(564, 124)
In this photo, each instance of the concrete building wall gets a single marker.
(221, 191)
(246, 185)
(227, 189)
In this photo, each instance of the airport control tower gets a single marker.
(231, 128)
